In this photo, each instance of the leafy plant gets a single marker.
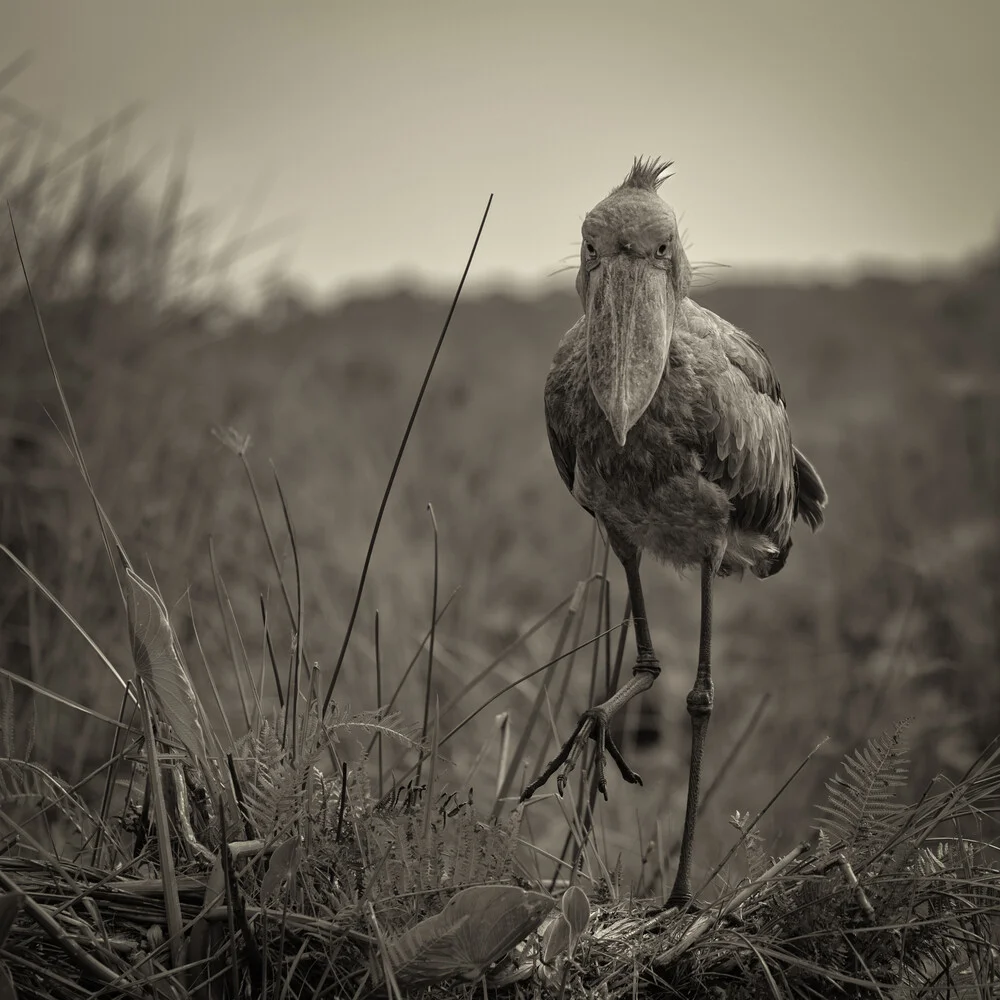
(863, 810)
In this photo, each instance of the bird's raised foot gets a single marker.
(593, 724)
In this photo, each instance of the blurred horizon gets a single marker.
(361, 143)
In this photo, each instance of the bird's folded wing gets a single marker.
(560, 385)
(564, 453)
(748, 446)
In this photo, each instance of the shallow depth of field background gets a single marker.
(892, 380)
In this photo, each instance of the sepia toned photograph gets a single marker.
(499, 501)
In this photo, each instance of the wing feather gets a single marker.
(564, 453)
(559, 415)
(749, 446)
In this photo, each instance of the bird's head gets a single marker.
(633, 273)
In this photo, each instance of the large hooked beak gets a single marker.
(630, 319)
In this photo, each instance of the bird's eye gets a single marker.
(590, 249)
(662, 250)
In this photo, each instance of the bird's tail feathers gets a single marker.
(812, 493)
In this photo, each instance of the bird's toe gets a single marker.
(618, 757)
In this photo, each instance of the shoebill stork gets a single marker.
(668, 425)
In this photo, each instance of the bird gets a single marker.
(668, 425)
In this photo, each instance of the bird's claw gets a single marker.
(593, 724)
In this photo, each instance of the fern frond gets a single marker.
(862, 805)
(377, 722)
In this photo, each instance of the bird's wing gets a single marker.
(559, 407)
(564, 453)
(748, 450)
(563, 449)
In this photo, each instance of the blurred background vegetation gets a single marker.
(893, 386)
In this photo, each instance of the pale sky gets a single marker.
(805, 135)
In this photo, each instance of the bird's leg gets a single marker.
(699, 706)
(594, 723)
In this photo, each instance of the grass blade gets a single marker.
(395, 467)
(430, 645)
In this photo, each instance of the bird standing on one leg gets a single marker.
(668, 425)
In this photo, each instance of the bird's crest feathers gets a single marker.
(646, 175)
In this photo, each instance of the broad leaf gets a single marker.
(476, 927)
(576, 910)
(556, 939)
(283, 863)
(158, 662)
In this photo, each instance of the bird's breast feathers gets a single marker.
(710, 458)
